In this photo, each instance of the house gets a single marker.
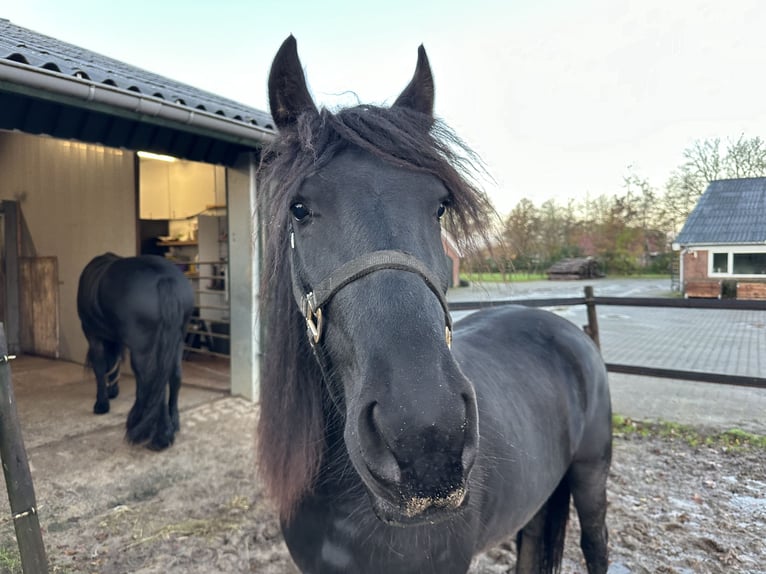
(724, 239)
(453, 253)
(98, 155)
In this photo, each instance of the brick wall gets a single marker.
(695, 265)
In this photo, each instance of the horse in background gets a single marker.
(388, 444)
(141, 304)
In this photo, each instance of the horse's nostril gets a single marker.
(377, 452)
(470, 434)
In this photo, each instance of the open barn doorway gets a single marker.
(183, 217)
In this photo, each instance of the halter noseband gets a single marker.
(312, 300)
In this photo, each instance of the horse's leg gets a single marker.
(97, 359)
(540, 544)
(164, 431)
(137, 429)
(152, 417)
(588, 481)
(114, 358)
(529, 542)
(175, 387)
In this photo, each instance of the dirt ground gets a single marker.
(107, 507)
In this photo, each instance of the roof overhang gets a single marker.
(41, 101)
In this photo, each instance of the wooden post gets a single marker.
(592, 327)
(11, 237)
(18, 480)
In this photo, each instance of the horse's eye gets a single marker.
(300, 211)
(442, 209)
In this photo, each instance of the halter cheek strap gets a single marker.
(311, 301)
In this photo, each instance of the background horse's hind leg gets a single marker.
(149, 419)
(588, 481)
(98, 362)
(113, 361)
(175, 387)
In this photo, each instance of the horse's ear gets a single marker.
(419, 93)
(289, 96)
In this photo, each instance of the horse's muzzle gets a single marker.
(421, 510)
(417, 470)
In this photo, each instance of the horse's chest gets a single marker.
(338, 542)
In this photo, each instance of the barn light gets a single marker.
(157, 156)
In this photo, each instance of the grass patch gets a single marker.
(734, 439)
(10, 560)
(502, 278)
(521, 277)
(227, 518)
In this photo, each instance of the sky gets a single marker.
(561, 99)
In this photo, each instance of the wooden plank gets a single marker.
(702, 289)
(40, 306)
(11, 250)
(18, 478)
(751, 291)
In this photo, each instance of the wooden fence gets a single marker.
(591, 302)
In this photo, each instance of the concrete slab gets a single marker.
(55, 399)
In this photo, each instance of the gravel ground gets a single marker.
(108, 507)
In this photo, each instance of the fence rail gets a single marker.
(591, 302)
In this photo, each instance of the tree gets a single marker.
(705, 162)
(522, 230)
(745, 158)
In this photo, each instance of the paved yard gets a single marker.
(717, 341)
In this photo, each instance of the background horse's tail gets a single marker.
(554, 532)
(157, 366)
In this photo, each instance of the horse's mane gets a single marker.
(292, 424)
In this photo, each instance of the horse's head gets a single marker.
(360, 221)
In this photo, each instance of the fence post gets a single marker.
(592, 327)
(18, 479)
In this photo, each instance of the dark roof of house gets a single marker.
(192, 123)
(731, 211)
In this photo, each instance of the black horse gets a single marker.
(141, 304)
(386, 446)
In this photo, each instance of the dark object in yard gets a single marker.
(370, 422)
(575, 268)
(143, 304)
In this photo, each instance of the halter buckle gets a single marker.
(313, 318)
(314, 323)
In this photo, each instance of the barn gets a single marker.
(723, 242)
(97, 156)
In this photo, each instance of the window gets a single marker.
(720, 262)
(738, 261)
(749, 264)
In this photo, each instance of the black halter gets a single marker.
(311, 301)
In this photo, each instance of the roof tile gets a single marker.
(28, 47)
(731, 211)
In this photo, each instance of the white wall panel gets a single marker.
(78, 200)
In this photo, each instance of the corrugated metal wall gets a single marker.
(78, 200)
